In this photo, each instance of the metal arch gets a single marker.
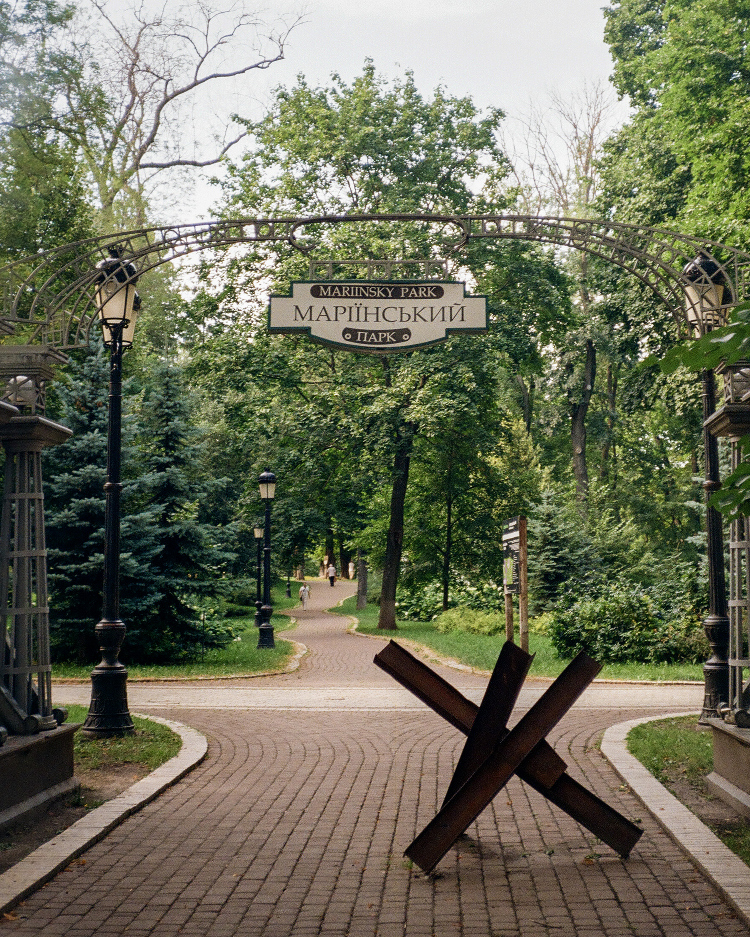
(655, 256)
(49, 297)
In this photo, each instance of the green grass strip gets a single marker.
(150, 745)
(481, 651)
(236, 658)
(680, 749)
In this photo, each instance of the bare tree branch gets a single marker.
(192, 162)
(127, 117)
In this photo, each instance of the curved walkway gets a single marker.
(315, 782)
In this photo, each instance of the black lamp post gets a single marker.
(258, 531)
(267, 483)
(704, 296)
(118, 304)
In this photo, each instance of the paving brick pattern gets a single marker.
(296, 824)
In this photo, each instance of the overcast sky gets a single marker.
(502, 53)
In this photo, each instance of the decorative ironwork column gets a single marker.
(732, 420)
(25, 669)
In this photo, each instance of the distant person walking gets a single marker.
(331, 574)
(304, 593)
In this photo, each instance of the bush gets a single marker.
(425, 602)
(629, 623)
(471, 620)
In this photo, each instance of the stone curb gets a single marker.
(42, 864)
(728, 872)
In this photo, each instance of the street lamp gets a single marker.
(258, 531)
(267, 484)
(704, 294)
(117, 303)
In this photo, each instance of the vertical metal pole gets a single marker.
(108, 712)
(258, 601)
(265, 631)
(716, 623)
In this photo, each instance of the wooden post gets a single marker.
(509, 625)
(523, 593)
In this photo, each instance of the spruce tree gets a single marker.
(74, 505)
(192, 555)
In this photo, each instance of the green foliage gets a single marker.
(74, 507)
(684, 65)
(471, 620)
(424, 602)
(619, 623)
(727, 344)
(190, 554)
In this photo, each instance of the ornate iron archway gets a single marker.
(48, 309)
(50, 296)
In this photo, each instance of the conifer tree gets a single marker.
(74, 505)
(192, 556)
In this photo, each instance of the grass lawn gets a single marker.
(481, 651)
(238, 657)
(679, 753)
(150, 745)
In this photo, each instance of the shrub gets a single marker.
(424, 602)
(629, 623)
(471, 620)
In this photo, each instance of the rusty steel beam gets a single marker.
(489, 726)
(536, 770)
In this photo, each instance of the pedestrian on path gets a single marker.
(331, 574)
(304, 592)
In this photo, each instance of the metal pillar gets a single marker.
(25, 669)
(108, 713)
(265, 631)
(716, 623)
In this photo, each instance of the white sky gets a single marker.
(502, 53)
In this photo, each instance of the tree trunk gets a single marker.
(344, 558)
(361, 580)
(527, 400)
(448, 546)
(578, 411)
(609, 451)
(330, 548)
(395, 541)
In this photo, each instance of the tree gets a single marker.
(74, 504)
(567, 184)
(191, 555)
(116, 88)
(680, 161)
(43, 197)
(684, 67)
(366, 147)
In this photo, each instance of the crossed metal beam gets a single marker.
(492, 753)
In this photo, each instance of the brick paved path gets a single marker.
(296, 823)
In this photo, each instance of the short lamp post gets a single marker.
(258, 531)
(267, 483)
(704, 295)
(118, 304)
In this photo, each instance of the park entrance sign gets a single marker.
(377, 316)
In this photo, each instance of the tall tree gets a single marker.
(557, 170)
(192, 554)
(74, 503)
(367, 147)
(684, 66)
(117, 86)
